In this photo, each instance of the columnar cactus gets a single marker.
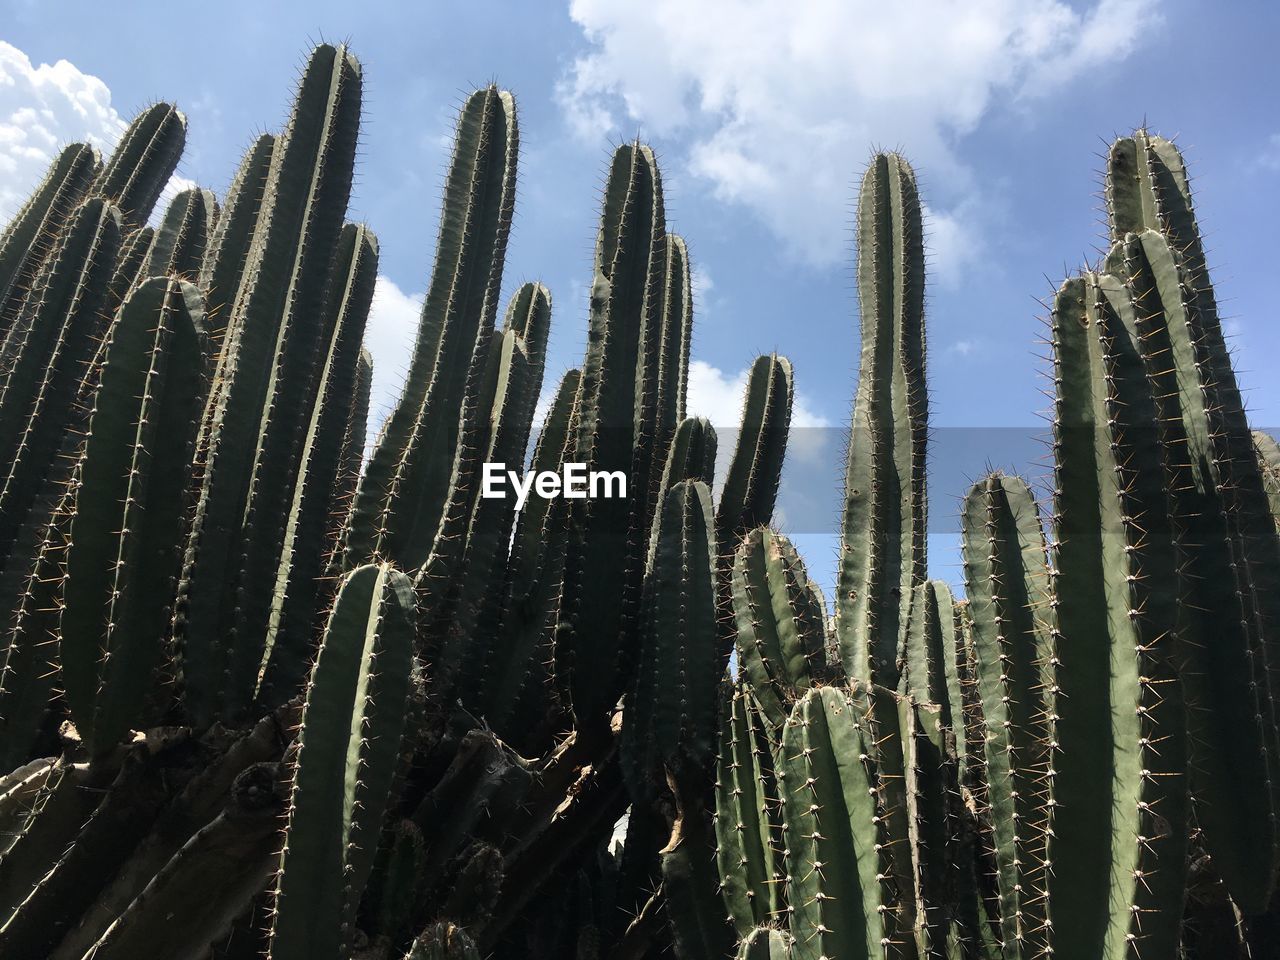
(369, 713)
(882, 553)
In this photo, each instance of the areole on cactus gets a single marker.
(263, 697)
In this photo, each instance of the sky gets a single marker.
(763, 116)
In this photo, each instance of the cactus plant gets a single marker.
(882, 534)
(361, 711)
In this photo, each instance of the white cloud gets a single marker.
(777, 105)
(389, 336)
(42, 109)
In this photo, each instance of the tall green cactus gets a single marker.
(751, 484)
(1229, 552)
(348, 753)
(406, 485)
(882, 553)
(299, 588)
(1115, 702)
(34, 230)
(143, 161)
(1007, 582)
(605, 555)
(266, 384)
(130, 497)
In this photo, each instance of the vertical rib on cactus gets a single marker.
(1233, 754)
(227, 252)
(143, 162)
(30, 671)
(298, 589)
(751, 483)
(748, 816)
(844, 824)
(1117, 851)
(353, 444)
(348, 751)
(882, 554)
(670, 724)
(36, 402)
(405, 486)
(780, 636)
(1007, 582)
(928, 658)
(677, 334)
(605, 556)
(131, 489)
(468, 556)
(514, 684)
(34, 230)
(250, 440)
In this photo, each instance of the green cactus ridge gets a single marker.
(1007, 582)
(130, 495)
(405, 487)
(348, 749)
(781, 636)
(266, 383)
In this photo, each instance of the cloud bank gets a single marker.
(776, 105)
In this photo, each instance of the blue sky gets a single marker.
(763, 115)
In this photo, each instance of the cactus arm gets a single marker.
(836, 834)
(513, 689)
(297, 590)
(604, 558)
(179, 245)
(670, 724)
(928, 657)
(143, 161)
(266, 377)
(131, 485)
(883, 530)
(780, 635)
(34, 230)
(404, 489)
(747, 821)
(348, 749)
(35, 406)
(227, 251)
(751, 483)
(193, 901)
(1007, 582)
